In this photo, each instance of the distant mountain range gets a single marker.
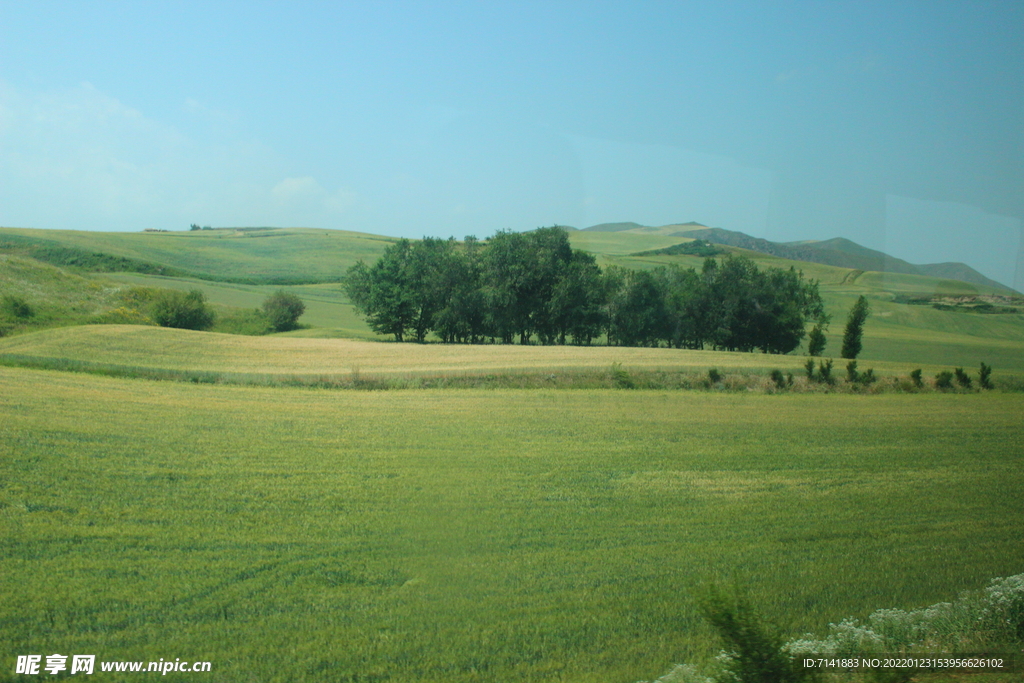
(837, 251)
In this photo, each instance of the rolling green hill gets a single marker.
(53, 295)
(838, 252)
(846, 254)
(237, 269)
(285, 532)
(243, 255)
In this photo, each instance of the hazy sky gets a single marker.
(899, 125)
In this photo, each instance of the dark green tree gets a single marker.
(462, 317)
(577, 301)
(852, 375)
(508, 286)
(705, 308)
(854, 331)
(183, 310)
(825, 372)
(383, 292)
(551, 256)
(521, 271)
(816, 341)
(783, 303)
(431, 273)
(733, 297)
(743, 308)
(637, 310)
(283, 310)
(682, 308)
(985, 376)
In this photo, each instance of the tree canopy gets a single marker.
(283, 310)
(184, 310)
(535, 286)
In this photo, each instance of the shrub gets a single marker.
(825, 372)
(778, 378)
(283, 310)
(993, 616)
(809, 368)
(944, 380)
(621, 378)
(868, 376)
(851, 372)
(183, 310)
(816, 341)
(984, 376)
(755, 652)
(915, 377)
(714, 376)
(1004, 606)
(962, 378)
(16, 307)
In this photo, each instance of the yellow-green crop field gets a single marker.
(284, 531)
(279, 357)
(289, 534)
(145, 346)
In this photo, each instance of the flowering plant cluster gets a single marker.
(996, 613)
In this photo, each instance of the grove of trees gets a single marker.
(184, 310)
(525, 286)
(283, 310)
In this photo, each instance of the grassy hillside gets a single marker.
(300, 534)
(897, 332)
(328, 310)
(838, 252)
(290, 535)
(54, 296)
(257, 255)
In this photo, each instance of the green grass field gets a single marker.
(239, 254)
(305, 535)
(155, 347)
(896, 332)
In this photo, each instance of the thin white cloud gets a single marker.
(79, 158)
(297, 190)
(199, 109)
(307, 195)
(342, 200)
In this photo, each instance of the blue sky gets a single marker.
(897, 125)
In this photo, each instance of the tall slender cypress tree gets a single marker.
(855, 328)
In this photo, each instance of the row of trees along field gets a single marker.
(535, 284)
